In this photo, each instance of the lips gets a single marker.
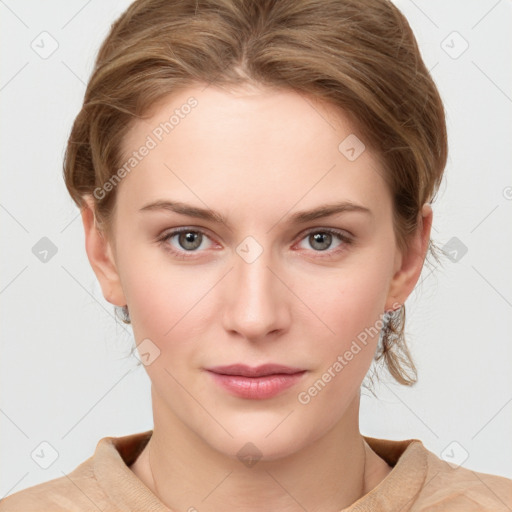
(258, 371)
(257, 383)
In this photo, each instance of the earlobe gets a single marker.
(411, 262)
(101, 257)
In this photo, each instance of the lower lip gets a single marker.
(257, 388)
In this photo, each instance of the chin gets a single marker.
(264, 437)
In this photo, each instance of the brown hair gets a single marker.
(357, 55)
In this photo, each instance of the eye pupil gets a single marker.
(320, 241)
(190, 240)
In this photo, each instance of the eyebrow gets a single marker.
(299, 217)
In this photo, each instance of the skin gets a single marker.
(256, 156)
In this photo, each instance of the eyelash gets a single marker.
(186, 255)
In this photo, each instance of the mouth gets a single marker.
(257, 383)
(264, 370)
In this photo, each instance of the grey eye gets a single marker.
(190, 240)
(320, 241)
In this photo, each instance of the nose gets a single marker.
(256, 306)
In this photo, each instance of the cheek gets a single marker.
(352, 307)
(351, 300)
(350, 303)
(162, 296)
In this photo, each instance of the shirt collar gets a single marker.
(114, 455)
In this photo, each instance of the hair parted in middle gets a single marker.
(358, 56)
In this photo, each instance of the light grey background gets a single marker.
(66, 377)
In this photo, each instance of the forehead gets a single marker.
(248, 147)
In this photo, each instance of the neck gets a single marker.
(187, 474)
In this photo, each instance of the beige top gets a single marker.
(419, 481)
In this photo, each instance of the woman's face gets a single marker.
(287, 256)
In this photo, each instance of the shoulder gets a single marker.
(448, 487)
(421, 481)
(76, 491)
(102, 482)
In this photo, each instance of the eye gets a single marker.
(185, 240)
(324, 240)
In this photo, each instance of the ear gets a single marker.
(101, 256)
(408, 265)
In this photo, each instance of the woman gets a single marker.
(255, 180)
